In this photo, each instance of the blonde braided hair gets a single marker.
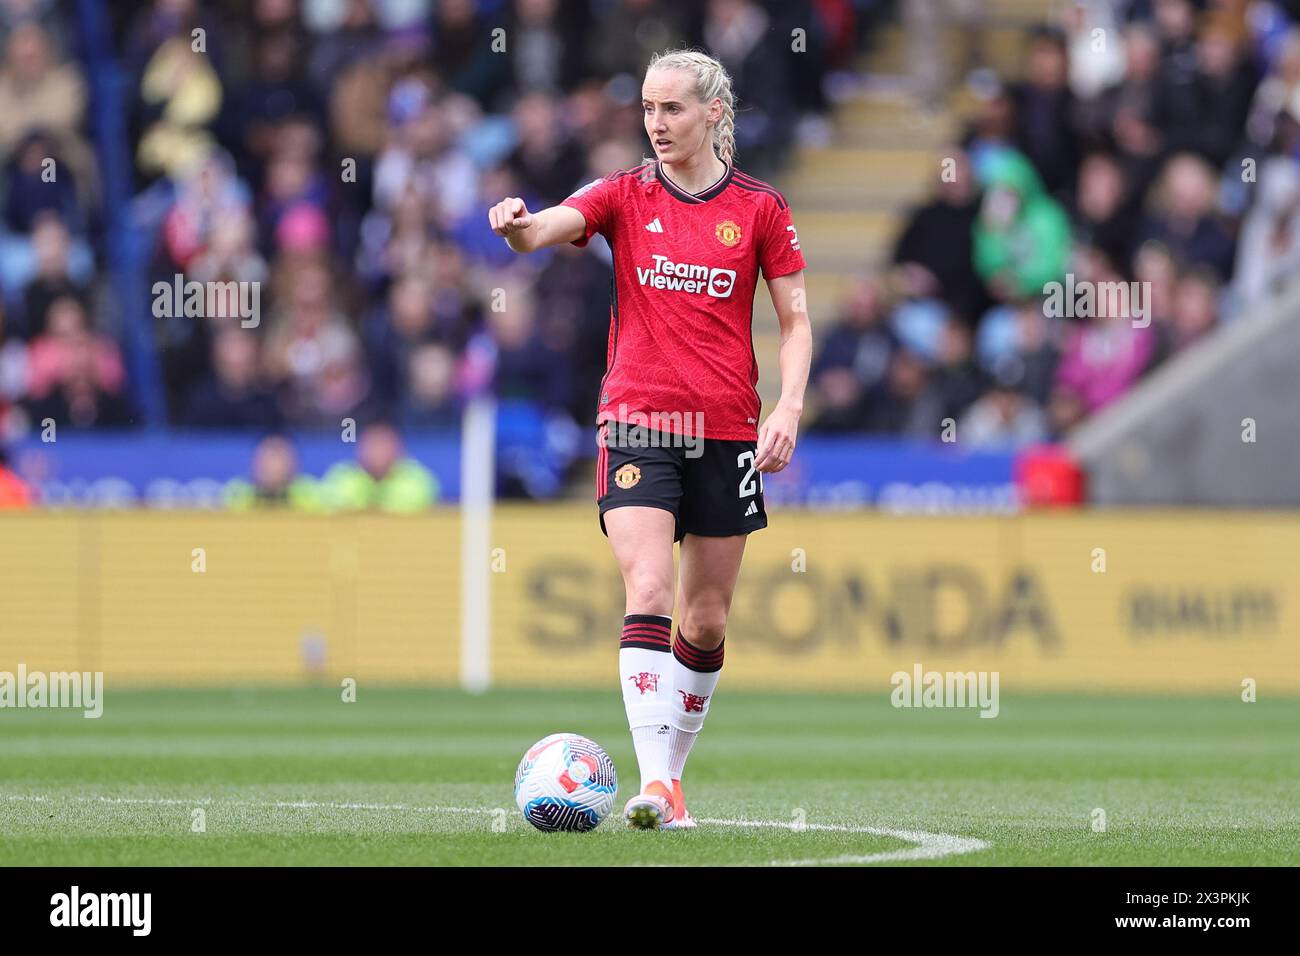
(711, 80)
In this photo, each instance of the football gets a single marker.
(565, 782)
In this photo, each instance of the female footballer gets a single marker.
(679, 450)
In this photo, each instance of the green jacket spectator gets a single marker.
(302, 494)
(1022, 235)
(408, 486)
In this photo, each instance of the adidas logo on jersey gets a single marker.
(752, 509)
(655, 226)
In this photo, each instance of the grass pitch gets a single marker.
(425, 777)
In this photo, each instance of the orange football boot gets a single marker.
(682, 819)
(650, 809)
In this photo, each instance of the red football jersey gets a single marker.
(682, 310)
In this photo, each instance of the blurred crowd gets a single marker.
(1153, 143)
(56, 359)
(339, 156)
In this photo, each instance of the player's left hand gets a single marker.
(776, 439)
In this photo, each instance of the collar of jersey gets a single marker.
(678, 193)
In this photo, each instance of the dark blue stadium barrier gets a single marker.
(187, 469)
(894, 475)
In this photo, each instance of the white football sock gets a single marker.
(695, 674)
(680, 743)
(644, 663)
(651, 743)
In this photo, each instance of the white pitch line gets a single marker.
(929, 846)
(262, 804)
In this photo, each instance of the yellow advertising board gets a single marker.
(210, 598)
(1113, 600)
(1168, 601)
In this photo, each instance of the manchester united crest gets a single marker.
(627, 476)
(728, 233)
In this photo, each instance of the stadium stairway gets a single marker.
(1215, 426)
(849, 197)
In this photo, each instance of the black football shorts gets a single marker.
(711, 487)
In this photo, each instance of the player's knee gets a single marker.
(704, 625)
(649, 595)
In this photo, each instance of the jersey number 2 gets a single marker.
(747, 486)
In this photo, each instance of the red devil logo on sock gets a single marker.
(693, 703)
(645, 681)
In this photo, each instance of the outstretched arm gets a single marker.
(776, 439)
(528, 232)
